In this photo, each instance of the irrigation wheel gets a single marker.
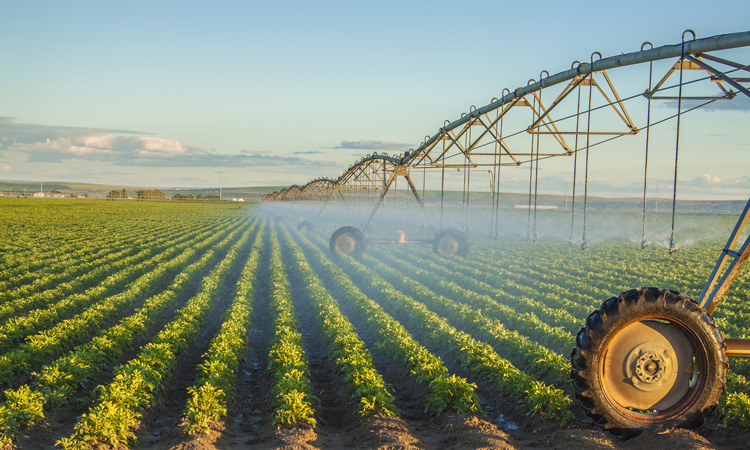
(347, 241)
(649, 359)
(450, 242)
(305, 227)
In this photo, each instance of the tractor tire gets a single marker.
(450, 242)
(305, 227)
(649, 359)
(347, 241)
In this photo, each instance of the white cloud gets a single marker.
(97, 141)
(43, 143)
(712, 180)
(373, 145)
(61, 145)
(160, 146)
(717, 181)
(5, 167)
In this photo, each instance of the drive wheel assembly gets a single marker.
(347, 241)
(305, 227)
(450, 242)
(649, 359)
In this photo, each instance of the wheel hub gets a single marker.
(648, 366)
(447, 246)
(345, 244)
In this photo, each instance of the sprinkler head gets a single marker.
(584, 245)
(644, 243)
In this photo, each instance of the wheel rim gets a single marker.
(649, 368)
(345, 244)
(448, 246)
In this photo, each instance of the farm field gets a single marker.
(200, 326)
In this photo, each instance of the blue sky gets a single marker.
(272, 93)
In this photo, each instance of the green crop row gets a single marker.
(34, 250)
(477, 357)
(29, 297)
(23, 279)
(36, 273)
(57, 382)
(287, 363)
(94, 272)
(67, 333)
(41, 236)
(345, 347)
(98, 303)
(117, 408)
(539, 360)
(218, 371)
(15, 329)
(537, 296)
(505, 287)
(38, 235)
(444, 392)
(511, 313)
(735, 404)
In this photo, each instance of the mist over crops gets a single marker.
(518, 220)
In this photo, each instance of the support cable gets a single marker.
(575, 163)
(644, 241)
(531, 168)
(658, 122)
(493, 214)
(497, 192)
(424, 178)
(463, 193)
(492, 189)
(536, 166)
(406, 194)
(442, 187)
(497, 177)
(610, 104)
(672, 246)
(468, 177)
(497, 182)
(584, 243)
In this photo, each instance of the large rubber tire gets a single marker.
(649, 359)
(347, 241)
(305, 227)
(450, 242)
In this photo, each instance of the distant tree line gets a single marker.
(117, 194)
(157, 194)
(197, 197)
(150, 194)
(141, 194)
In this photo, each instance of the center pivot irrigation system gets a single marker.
(649, 358)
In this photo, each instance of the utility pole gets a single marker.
(656, 198)
(41, 181)
(220, 187)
